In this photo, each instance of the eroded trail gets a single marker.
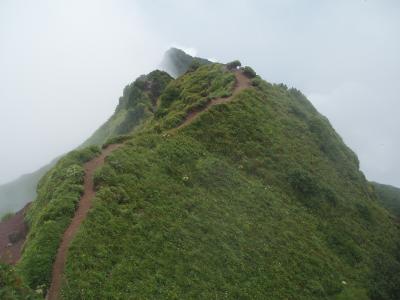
(80, 215)
(242, 82)
(85, 202)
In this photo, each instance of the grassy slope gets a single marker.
(135, 106)
(191, 93)
(389, 197)
(12, 287)
(14, 195)
(50, 214)
(60, 189)
(128, 115)
(256, 197)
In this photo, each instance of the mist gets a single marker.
(63, 65)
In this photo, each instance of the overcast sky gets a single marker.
(63, 65)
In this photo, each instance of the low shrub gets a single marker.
(194, 66)
(364, 212)
(302, 182)
(12, 287)
(170, 94)
(161, 112)
(233, 65)
(256, 81)
(249, 72)
(346, 247)
(174, 119)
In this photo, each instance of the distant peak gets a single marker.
(176, 61)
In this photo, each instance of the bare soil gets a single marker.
(80, 215)
(12, 237)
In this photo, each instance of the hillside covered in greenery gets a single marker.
(128, 114)
(389, 197)
(12, 286)
(255, 198)
(16, 194)
(137, 103)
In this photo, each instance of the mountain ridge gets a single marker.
(17, 193)
(255, 197)
(389, 197)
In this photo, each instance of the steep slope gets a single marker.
(59, 191)
(16, 194)
(242, 82)
(13, 232)
(252, 198)
(128, 115)
(136, 105)
(12, 287)
(80, 215)
(389, 197)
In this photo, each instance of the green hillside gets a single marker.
(389, 197)
(136, 104)
(11, 286)
(256, 198)
(14, 195)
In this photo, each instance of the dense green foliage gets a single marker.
(233, 65)
(61, 188)
(257, 198)
(191, 93)
(389, 196)
(50, 214)
(137, 104)
(16, 194)
(12, 287)
(249, 72)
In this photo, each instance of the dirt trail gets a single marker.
(12, 237)
(242, 82)
(80, 215)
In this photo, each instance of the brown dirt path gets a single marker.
(80, 215)
(242, 82)
(12, 237)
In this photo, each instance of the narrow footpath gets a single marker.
(80, 215)
(242, 82)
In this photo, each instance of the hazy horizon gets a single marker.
(64, 64)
